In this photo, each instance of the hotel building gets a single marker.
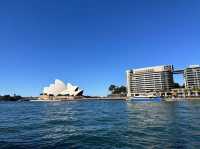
(149, 79)
(192, 77)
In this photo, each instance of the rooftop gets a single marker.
(153, 69)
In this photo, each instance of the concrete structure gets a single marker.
(60, 89)
(149, 79)
(185, 93)
(192, 77)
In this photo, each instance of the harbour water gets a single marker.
(100, 124)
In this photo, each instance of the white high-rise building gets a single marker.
(192, 77)
(149, 79)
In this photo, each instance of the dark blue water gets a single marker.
(100, 124)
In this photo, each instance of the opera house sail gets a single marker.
(60, 89)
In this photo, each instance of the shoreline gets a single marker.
(99, 98)
(119, 98)
(181, 99)
(81, 99)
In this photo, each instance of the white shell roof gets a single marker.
(59, 87)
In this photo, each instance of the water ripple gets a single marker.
(100, 124)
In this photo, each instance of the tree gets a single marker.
(123, 89)
(116, 90)
(176, 85)
(183, 86)
(10, 98)
(112, 88)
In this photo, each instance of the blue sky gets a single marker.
(91, 43)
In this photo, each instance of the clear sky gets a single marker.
(91, 43)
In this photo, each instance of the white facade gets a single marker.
(192, 77)
(149, 79)
(59, 88)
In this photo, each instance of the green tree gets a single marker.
(183, 86)
(176, 85)
(112, 88)
(122, 90)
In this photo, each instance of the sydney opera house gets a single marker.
(60, 89)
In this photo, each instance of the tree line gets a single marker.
(10, 98)
(117, 90)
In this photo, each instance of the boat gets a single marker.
(145, 98)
